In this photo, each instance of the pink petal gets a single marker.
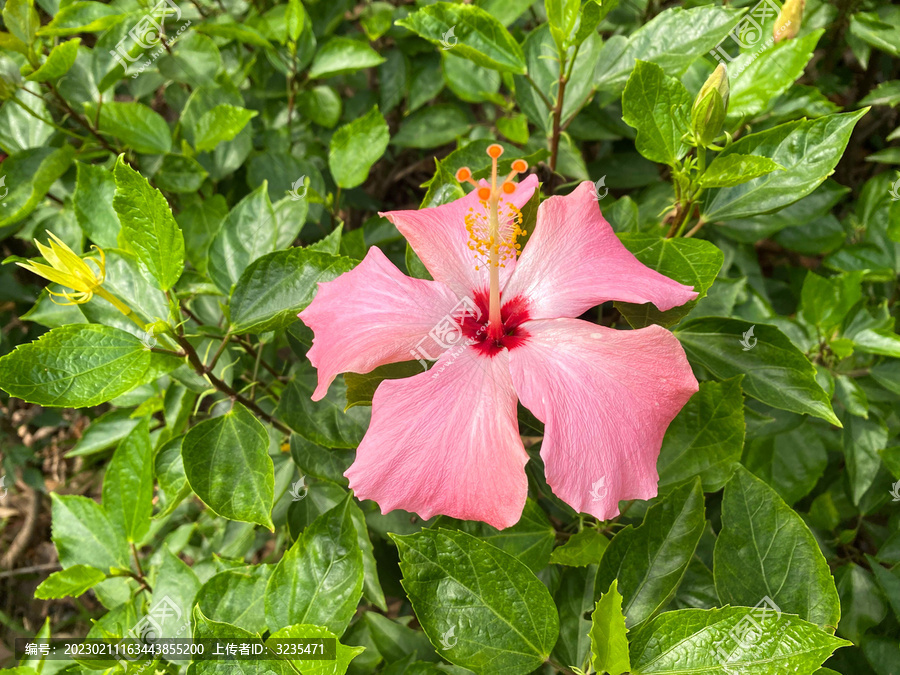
(574, 261)
(605, 397)
(439, 236)
(370, 316)
(446, 442)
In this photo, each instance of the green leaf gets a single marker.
(481, 608)
(658, 107)
(864, 439)
(693, 262)
(320, 104)
(320, 578)
(247, 233)
(21, 19)
(342, 55)
(76, 366)
(275, 287)
(807, 149)
(824, 302)
(180, 174)
(137, 126)
(361, 386)
(720, 642)
(205, 628)
(58, 63)
(220, 124)
(336, 666)
(735, 169)
(763, 77)
(582, 549)
(73, 581)
(128, 484)
(237, 597)
(169, 471)
(29, 175)
(84, 535)
(92, 202)
(227, 463)
(674, 39)
(355, 147)
(328, 422)
(176, 584)
(650, 560)
(706, 438)
(529, 541)
(82, 17)
(609, 641)
(766, 550)
(432, 126)
(147, 226)
(775, 371)
(470, 32)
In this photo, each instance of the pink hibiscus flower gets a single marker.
(503, 329)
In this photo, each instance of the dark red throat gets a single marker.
(513, 313)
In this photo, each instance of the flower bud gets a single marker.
(708, 111)
(787, 25)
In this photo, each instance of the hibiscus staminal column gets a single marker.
(494, 231)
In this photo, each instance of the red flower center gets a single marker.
(513, 313)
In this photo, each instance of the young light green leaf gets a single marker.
(220, 124)
(320, 579)
(489, 611)
(658, 107)
(356, 146)
(21, 19)
(582, 549)
(718, 642)
(766, 550)
(775, 371)
(29, 175)
(730, 170)
(72, 581)
(82, 16)
(58, 63)
(128, 484)
(470, 32)
(609, 641)
(206, 628)
(650, 560)
(227, 463)
(76, 366)
(147, 226)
